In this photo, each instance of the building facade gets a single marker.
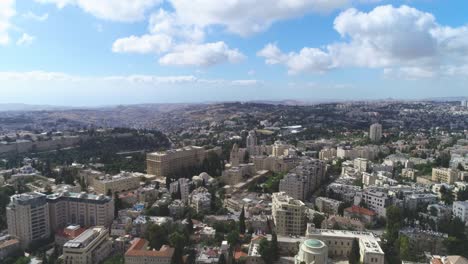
(28, 217)
(82, 209)
(92, 246)
(289, 215)
(375, 132)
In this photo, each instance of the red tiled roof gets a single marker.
(239, 254)
(138, 250)
(359, 210)
(70, 233)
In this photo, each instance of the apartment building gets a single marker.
(200, 200)
(294, 185)
(419, 200)
(92, 246)
(288, 214)
(28, 217)
(82, 209)
(375, 200)
(138, 253)
(361, 164)
(327, 205)
(375, 132)
(122, 182)
(183, 184)
(340, 242)
(444, 175)
(460, 209)
(170, 162)
(327, 154)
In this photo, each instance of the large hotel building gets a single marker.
(80, 209)
(32, 216)
(170, 162)
(28, 217)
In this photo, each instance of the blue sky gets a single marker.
(85, 52)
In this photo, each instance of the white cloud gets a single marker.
(406, 41)
(114, 10)
(32, 16)
(307, 60)
(135, 80)
(25, 40)
(7, 11)
(207, 54)
(144, 44)
(243, 17)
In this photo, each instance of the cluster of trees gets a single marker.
(269, 249)
(177, 236)
(5, 193)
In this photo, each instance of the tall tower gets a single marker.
(375, 133)
(28, 217)
(251, 143)
(234, 157)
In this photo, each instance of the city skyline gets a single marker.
(84, 53)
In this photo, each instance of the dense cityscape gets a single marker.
(358, 182)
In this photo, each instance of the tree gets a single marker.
(156, 236)
(177, 241)
(391, 244)
(189, 223)
(274, 246)
(446, 195)
(405, 248)
(222, 259)
(265, 251)
(242, 221)
(354, 255)
(117, 204)
(233, 238)
(462, 195)
(460, 167)
(318, 219)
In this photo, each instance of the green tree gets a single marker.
(177, 241)
(446, 195)
(274, 246)
(460, 167)
(189, 223)
(318, 219)
(265, 250)
(156, 236)
(405, 248)
(233, 238)
(242, 221)
(118, 205)
(391, 244)
(462, 195)
(354, 255)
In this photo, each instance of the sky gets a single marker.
(107, 52)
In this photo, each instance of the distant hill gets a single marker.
(28, 107)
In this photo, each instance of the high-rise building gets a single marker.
(28, 217)
(460, 209)
(82, 209)
(294, 185)
(168, 163)
(375, 133)
(289, 215)
(251, 143)
(92, 246)
(234, 157)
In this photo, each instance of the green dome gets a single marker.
(314, 243)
